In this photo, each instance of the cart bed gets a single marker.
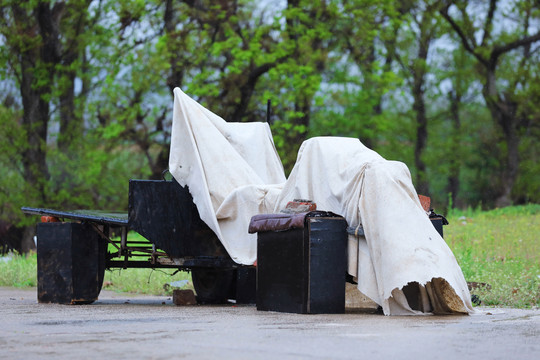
(96, 216)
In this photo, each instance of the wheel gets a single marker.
(102, 253)
(213, 286)
(99, 258)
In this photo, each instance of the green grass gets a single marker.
(18, 271)
(145, 281)
(500, 248)
(21, 271)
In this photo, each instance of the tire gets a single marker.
(100, 273)
(213, 286)
(102, 251)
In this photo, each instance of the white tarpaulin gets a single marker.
(220, 162)
(233, 172)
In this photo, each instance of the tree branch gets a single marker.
(404, 66)
(489, 21)
(461, 34)
(499, 50)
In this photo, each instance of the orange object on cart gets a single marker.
(300, 205)
(425, 201)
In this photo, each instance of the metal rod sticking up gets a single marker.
(269, 112)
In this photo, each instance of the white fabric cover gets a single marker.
(401, 245)
(227, 167)
(234, 172)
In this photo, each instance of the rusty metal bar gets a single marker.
(102, 234)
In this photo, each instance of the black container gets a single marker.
(303, 269)
(438, 224)
(164, 213)
(70, 263)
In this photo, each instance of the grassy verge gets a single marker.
(21, 271)
(147, 281)
(499, 250)
(18, 271)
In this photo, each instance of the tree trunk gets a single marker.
(504, 111)
(419, 106)
(512, 167)
(176, 74)
(35, 109)
(35, 120)
(420, 143)
(27, 240)
(510, 173)
(455, 159)
(70, 126)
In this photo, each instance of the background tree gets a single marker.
(86, 89)
(41, 45)
(359, 73)
(51, 52)
(422, 31)
(504, 92)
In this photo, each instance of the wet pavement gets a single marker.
(123, 326)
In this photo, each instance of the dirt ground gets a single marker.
(122, 326)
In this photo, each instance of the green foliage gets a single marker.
(341, 68)
(13, 189)
(288, 150)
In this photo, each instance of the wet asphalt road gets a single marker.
(120, 326)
